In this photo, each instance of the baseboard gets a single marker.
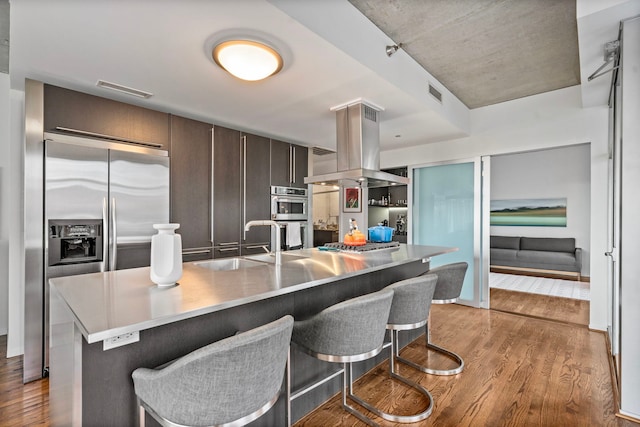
(551, 274)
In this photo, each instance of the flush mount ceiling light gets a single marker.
(247, 60)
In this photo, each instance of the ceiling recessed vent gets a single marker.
(322, 151)
(370, 113)
(435, 93)
(124, 89)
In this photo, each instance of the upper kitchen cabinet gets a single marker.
(191, 151)
(70, 111)
(289, 164)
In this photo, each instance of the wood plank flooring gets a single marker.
(20, 405)
(543, 306)
(520, 371)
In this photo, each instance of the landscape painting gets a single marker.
(530, 212)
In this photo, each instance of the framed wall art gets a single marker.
(352, 199)
(530, 212)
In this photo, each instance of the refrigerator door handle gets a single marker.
(113, 259)
(105, 238)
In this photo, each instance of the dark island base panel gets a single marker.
(108, 398)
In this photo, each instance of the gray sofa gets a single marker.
(541, 253)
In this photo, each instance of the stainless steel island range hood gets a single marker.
(358, 150)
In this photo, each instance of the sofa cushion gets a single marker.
(548, 244)
(500, 255)
(504, 242)
(548, 260)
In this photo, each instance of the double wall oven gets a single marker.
(289, 208)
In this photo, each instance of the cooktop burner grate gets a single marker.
(369, 246)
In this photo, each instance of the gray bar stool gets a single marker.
(230, 382)
(448, 289)
(346, 332)
(409, 310)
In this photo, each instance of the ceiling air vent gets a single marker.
(322, 151)
(435, 93)
(124, 89)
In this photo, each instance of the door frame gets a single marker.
(481, 188)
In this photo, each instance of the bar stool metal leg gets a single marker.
(430, 346)
(450, 279)
(409, 310)
(347, 391)
(392, 372)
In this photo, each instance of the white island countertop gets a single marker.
(109, 304)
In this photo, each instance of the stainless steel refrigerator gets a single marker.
(101, 199)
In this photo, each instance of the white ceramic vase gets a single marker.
(166, 255)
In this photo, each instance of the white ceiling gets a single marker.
(332, 53)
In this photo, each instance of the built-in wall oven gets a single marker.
(289, 204)
(289, 210)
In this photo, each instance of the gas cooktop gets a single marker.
(369, 246)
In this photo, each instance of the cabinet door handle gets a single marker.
(290, 164)
(244, 186)
(293, 164)
(228, 249)
(212, 183)
(229, 244)
(196, 251)
(257, 247)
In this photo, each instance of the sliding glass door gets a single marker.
(446, 210)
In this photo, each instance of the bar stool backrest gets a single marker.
(353, 327)
(450, 281)
(412, 300)
(221, 382)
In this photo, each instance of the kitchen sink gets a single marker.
(226, 264)
(272, 257)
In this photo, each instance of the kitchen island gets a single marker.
(105, 325)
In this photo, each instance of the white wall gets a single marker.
(552, 119)
(325, 205)
(556, 173)
(5, 104)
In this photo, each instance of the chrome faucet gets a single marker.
(271, 223)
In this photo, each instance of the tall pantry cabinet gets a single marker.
(191, 150)
(240, 192)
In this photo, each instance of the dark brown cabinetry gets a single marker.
(88, 114)
(191, 150)
(240, 191)
(226, 192)
(289, 164)
(256, 195)
(320, 237)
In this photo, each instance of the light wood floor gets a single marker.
(520, 371)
